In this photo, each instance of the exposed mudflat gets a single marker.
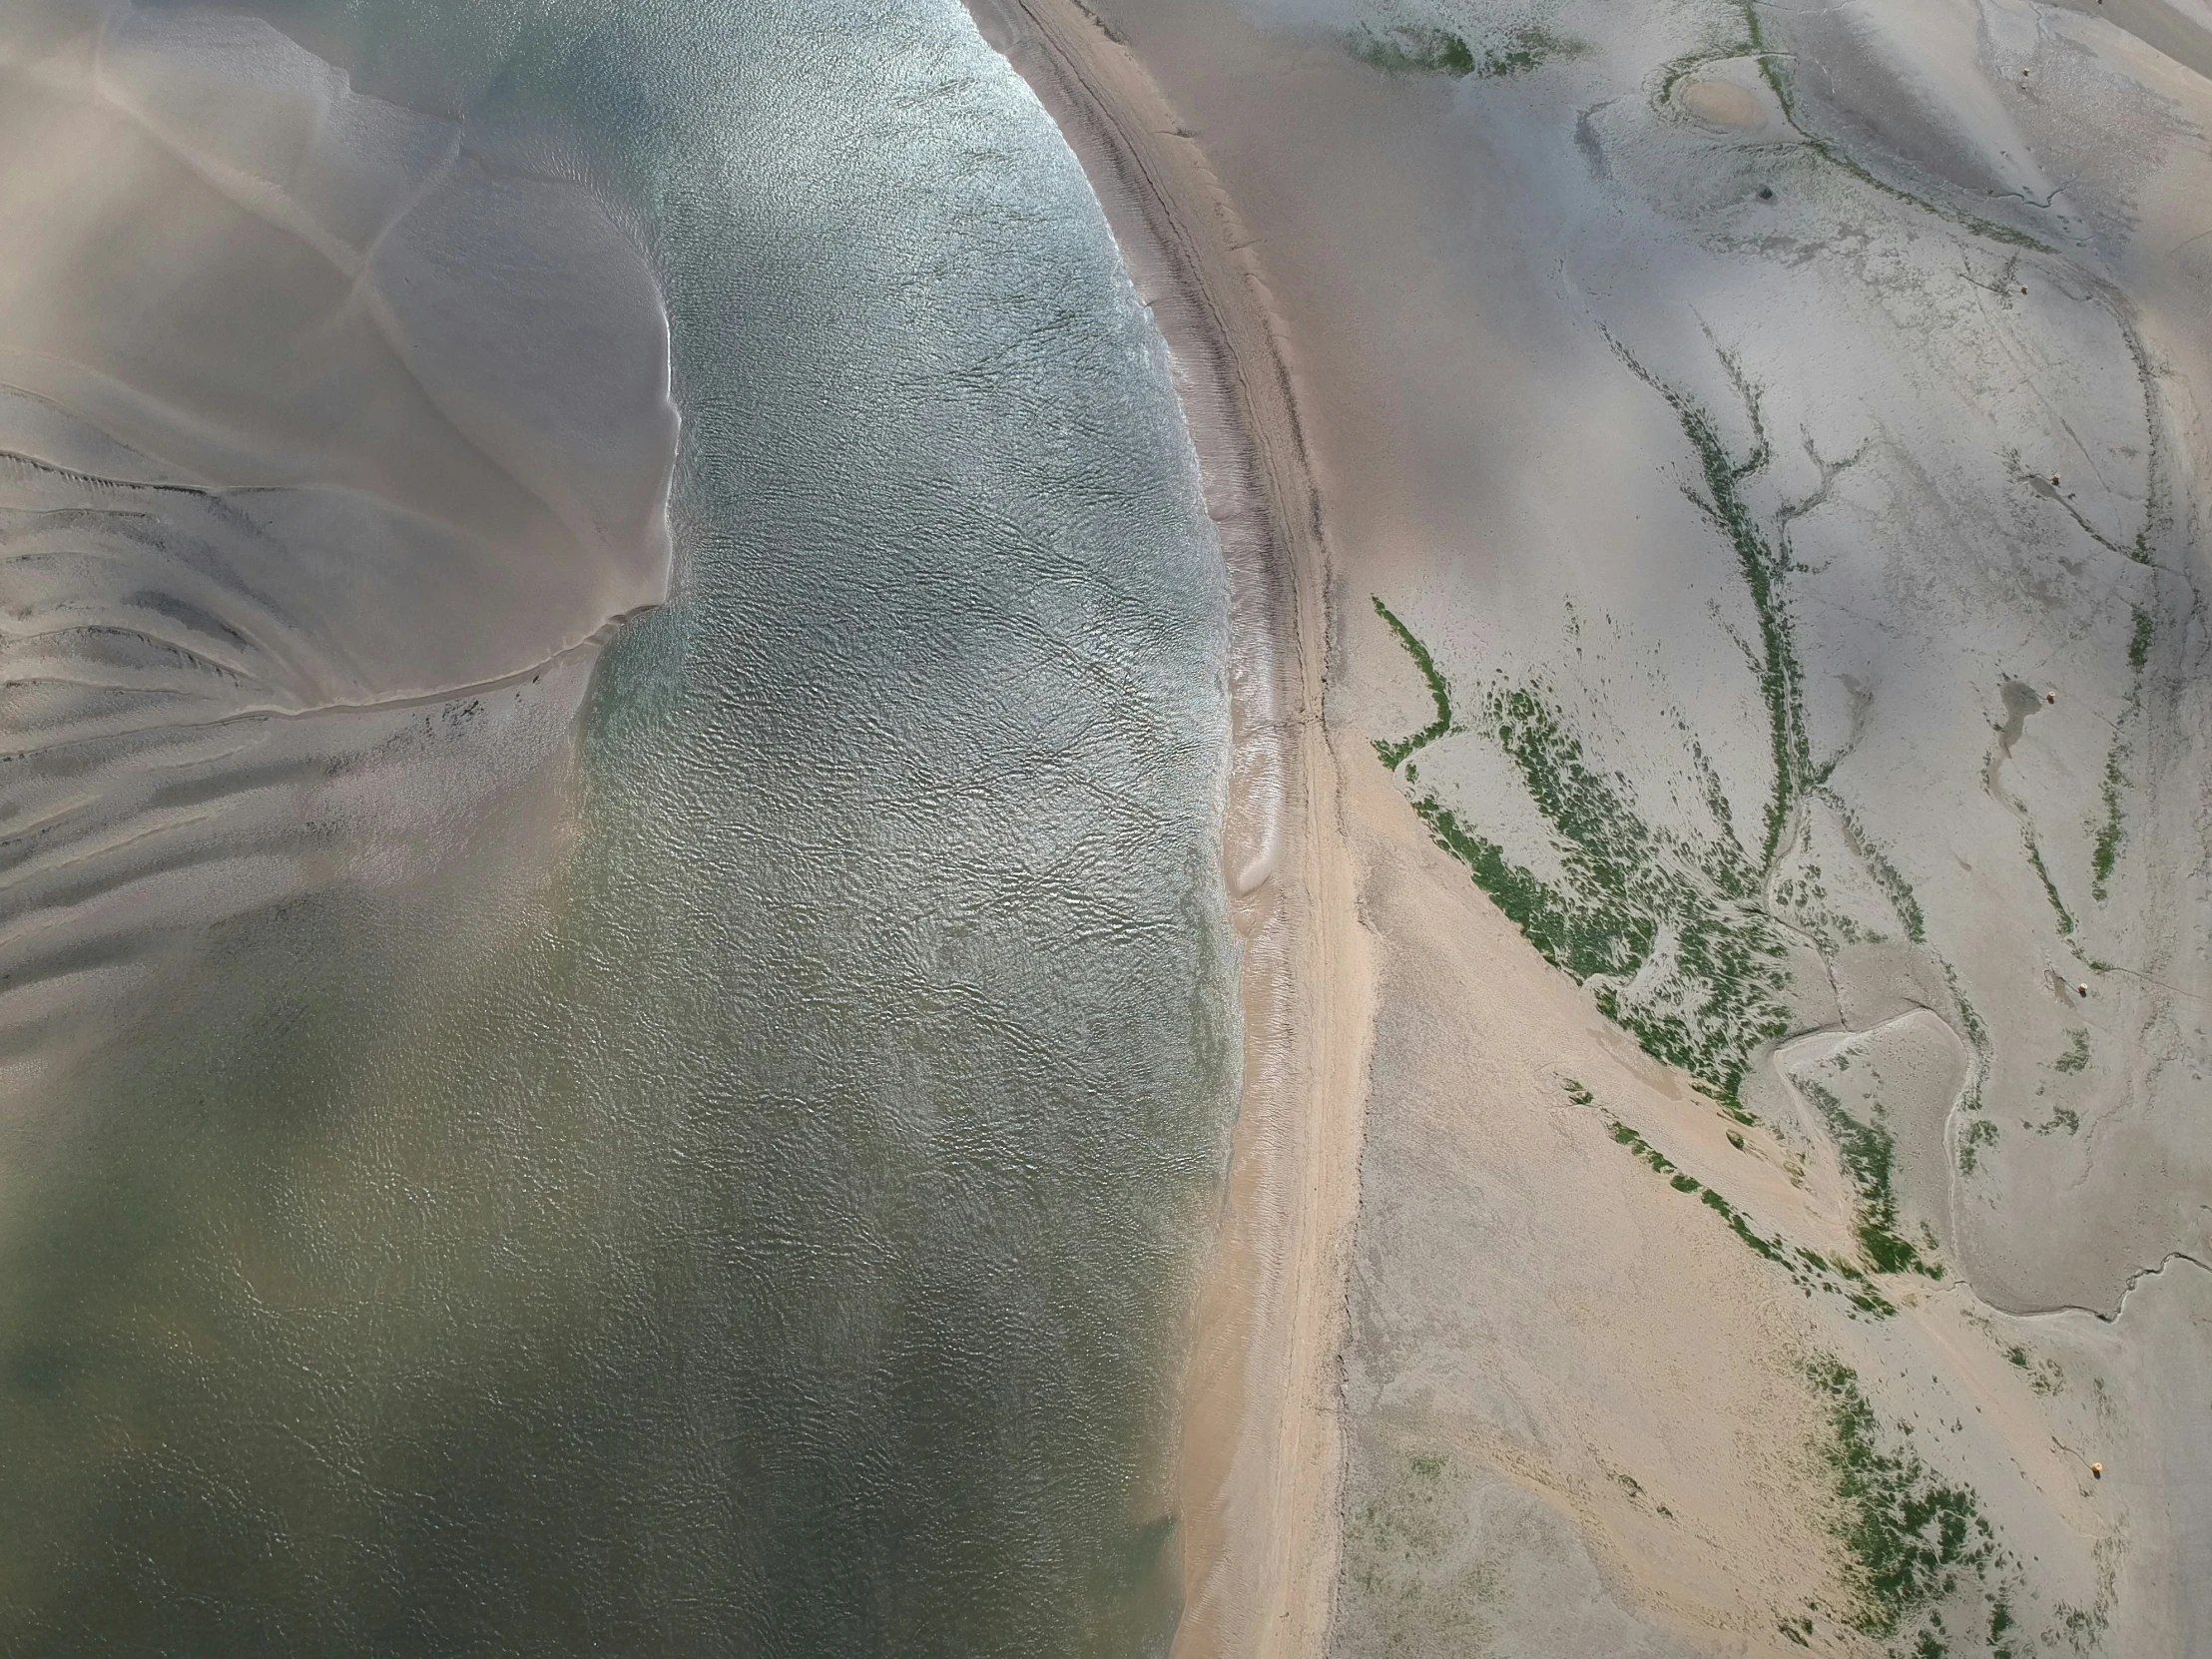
(1760, 456)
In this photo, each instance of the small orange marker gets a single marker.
(2096, 1471)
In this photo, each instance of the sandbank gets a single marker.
(1260, 1459)
(1576, 344)
(331, 448)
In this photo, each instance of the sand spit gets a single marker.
(1260, 1445)
(329, 453)
(1762, 451)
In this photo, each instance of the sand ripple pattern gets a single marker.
(330, 448)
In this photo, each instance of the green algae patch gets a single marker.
(1915, 1542)
(2045, 1376)
(1664, 928)
(1416, 52)
(1442, 52)
(2069, 1064)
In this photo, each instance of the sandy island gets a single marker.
(1804, 425)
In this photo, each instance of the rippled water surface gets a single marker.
(772, 1241)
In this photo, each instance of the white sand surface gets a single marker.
(330, 450)
(1798, 406)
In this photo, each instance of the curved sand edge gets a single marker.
(1591, 1320)
(1261, 1447)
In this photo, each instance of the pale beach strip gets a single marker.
(1261, 1450)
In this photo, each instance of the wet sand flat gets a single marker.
(316, 425)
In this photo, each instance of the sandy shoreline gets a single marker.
(1260, 1451)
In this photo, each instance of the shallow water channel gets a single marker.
(754, 1220)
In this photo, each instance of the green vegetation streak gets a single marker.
(1805, 1269)
(1633, 897)
(1886, 874)
(1979, 1132)
(2050, 889)
(1395, 755)
(1440, 52)
(1771, 65)
(1764, 562)
(1869, 1153)
(1629, 893)
(2106, 852)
